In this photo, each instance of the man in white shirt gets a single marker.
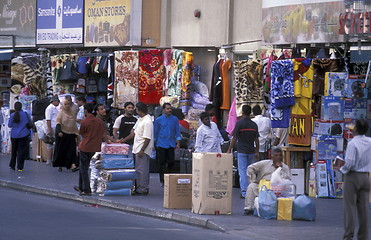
(80, 114)
(208, 138)
(357, 168)
(142, 148)
(264, 128)
(51, 113)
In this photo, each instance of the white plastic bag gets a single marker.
(276, 178)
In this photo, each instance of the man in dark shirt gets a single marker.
(246, 132)
(124, 124)
(92, 131)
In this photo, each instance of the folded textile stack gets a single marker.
(116, 171)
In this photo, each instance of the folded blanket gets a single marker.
(113, 156)
(104, 185)
(115, 163)
(117, 192)
(118, 175)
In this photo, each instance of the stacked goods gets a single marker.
(116, 170)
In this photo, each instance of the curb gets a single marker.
(194, 221)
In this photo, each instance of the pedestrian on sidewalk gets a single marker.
(246, 135)
(124, 124)
(66, 134)
(51, 113)
(264, 127)
(142, 148)
(356, 172)
(92, 131)
(167, 138)
(208, 137)
(20, 135)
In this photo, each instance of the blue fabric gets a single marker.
(125, 175)
(166, 131)
(244, 160)
(114, 156)
(19, 130)
(116, 164)
(119, 184)
(118, 192)
(282, 83)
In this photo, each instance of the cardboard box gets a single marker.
(355, 108)
(178, 191)
(335, 84)
(212, 183)
(321, 179)
(332, 108)
(316, 139)
(328, 127)
(297, 178)
(356, 86)
(284, 209)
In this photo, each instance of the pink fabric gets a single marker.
(232, 117)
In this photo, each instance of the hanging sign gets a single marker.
(17, 19)
(107, 23)
(300, 130)
(301, 21)
(59, 21)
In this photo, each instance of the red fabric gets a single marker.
(184, 124)
(151, 76)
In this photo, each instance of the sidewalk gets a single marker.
(42, 179)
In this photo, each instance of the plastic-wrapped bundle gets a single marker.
(117, 192)
(118, 175)
(115, 163)
(104, 185)
(113, 156)
(115, 148)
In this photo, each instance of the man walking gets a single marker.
(142, 148)
(264, 126)
(167, 137)
(124, 124)
(92, 131)
(246, 132)
(51, 113)
(208, 138)
(356, 181)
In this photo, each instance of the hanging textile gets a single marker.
(267, 63)
(47, 73)
(151, 76)
(126, 78)
(111, 80)
(303, 77)
(187, 69)
(232, 117)
(168, 58)
(282, 93)
(300, 130)
(58, 62)
(249, 87)
(320, 67)
(174, 85)
(226, 95)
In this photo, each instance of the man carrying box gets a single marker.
(263, 170)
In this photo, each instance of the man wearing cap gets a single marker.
(51, 113)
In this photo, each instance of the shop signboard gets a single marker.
(17, 23)
(59, 21)
(301, 21)
(108, 23)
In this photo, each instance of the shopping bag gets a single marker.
(267, 204)
(284, 206)
(264, 182)
(304, 209)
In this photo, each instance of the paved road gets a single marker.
(31, 216)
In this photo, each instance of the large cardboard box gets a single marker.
(212, 183)
(178, 191)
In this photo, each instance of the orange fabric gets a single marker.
(226, 95)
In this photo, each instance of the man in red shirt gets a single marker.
(92, 131)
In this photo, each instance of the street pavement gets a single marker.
(39, 178)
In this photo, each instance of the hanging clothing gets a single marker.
(267, 63)
(126, 78)
(151, 76)
(226, 95)
(216, 90)
(232, 117)
(303, 77)
(187, 69)
(168, 54)
(174, 86)
(320, 67)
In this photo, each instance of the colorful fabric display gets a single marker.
(168, 54)
(151, 76)
(115, 164)
(115, 148)
(126, 78)
(175, 74)
(186, 80)
(303, 77)
(118, 175)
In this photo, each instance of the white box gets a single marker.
(297, 178)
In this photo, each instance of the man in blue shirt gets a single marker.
(167, 137)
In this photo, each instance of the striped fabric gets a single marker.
(358, 155)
